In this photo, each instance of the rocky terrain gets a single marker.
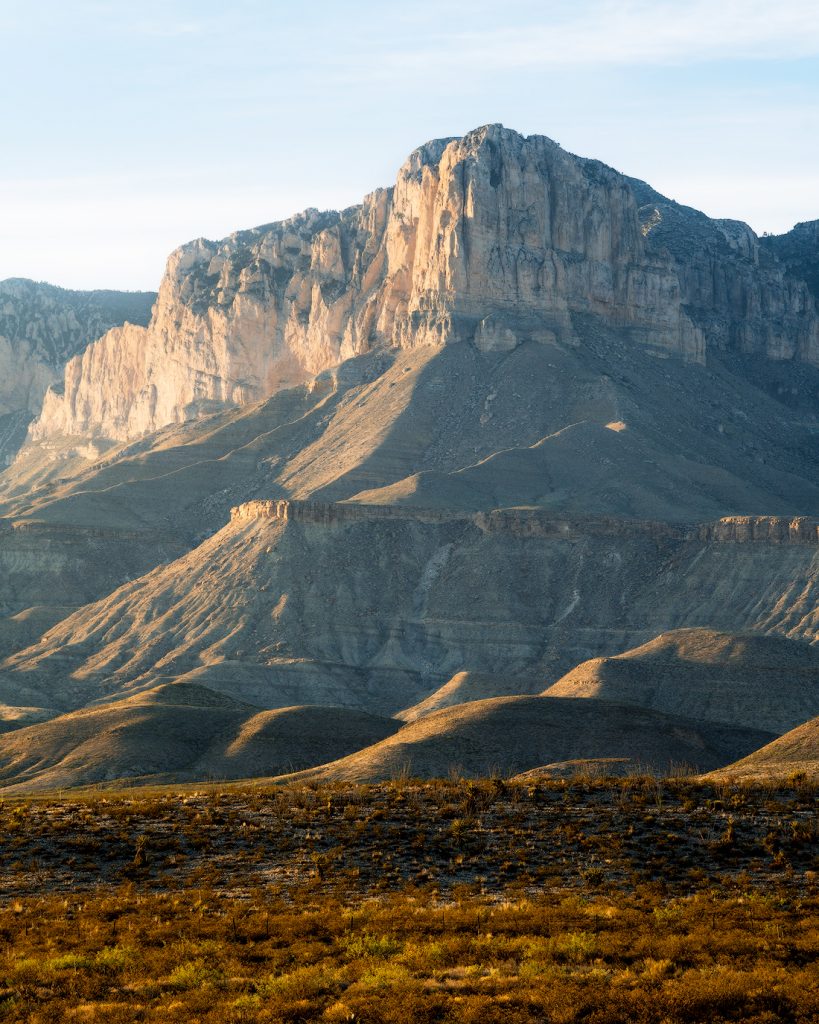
(517, 424)
(495, 238)
(41, 328)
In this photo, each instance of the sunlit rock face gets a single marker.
(41, 327)
(493, 240)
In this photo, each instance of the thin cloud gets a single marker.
(640, 32)
(154, 21)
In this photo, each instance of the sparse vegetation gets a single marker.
(595, 899)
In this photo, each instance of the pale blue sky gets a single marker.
(128, 128)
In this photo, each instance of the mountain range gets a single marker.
(513, 465)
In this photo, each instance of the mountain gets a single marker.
(515, 413)
(376, 607)
(41, 328)
(493, 238)
(765, 682)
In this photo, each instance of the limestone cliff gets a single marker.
(41, 327)
(798, 249)
(492, 239)
(746, 295)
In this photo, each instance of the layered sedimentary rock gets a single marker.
(41, 327)
(492, 239)
(767, 529)
(521, 522)
(309, 603)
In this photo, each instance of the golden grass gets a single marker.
(210, 957)
(599, 901)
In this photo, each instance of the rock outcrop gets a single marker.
(493, 239)
(734, 286)
(798, 250)
(765, 529)
(41, 328)
(522, 522)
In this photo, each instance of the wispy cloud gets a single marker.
(631, 32)
(150, 20)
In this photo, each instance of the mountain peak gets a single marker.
(494, 239)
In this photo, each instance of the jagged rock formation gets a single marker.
(493, 239)
(41, 328)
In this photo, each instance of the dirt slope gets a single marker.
(794, 753)
(767, 682)
(177, 733)
(513, 734)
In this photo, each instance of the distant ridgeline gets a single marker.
(41, 328)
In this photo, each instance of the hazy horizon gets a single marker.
(133, 129)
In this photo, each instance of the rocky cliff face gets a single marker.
(492, 239)
(798, 250)
(745, 294)
(41, 328)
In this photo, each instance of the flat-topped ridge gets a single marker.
(535, 522)
(521, 522)
(770, 529)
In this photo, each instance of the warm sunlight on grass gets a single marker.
(597, 900)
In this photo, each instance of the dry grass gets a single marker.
(451, 901)
(199, 955)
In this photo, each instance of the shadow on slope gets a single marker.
(465, 687)
(601, 470)
(177, 733)
(762, 682)
(508, 735)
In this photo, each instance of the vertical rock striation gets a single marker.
(745, 294)
(492, 239)
(41, 328)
